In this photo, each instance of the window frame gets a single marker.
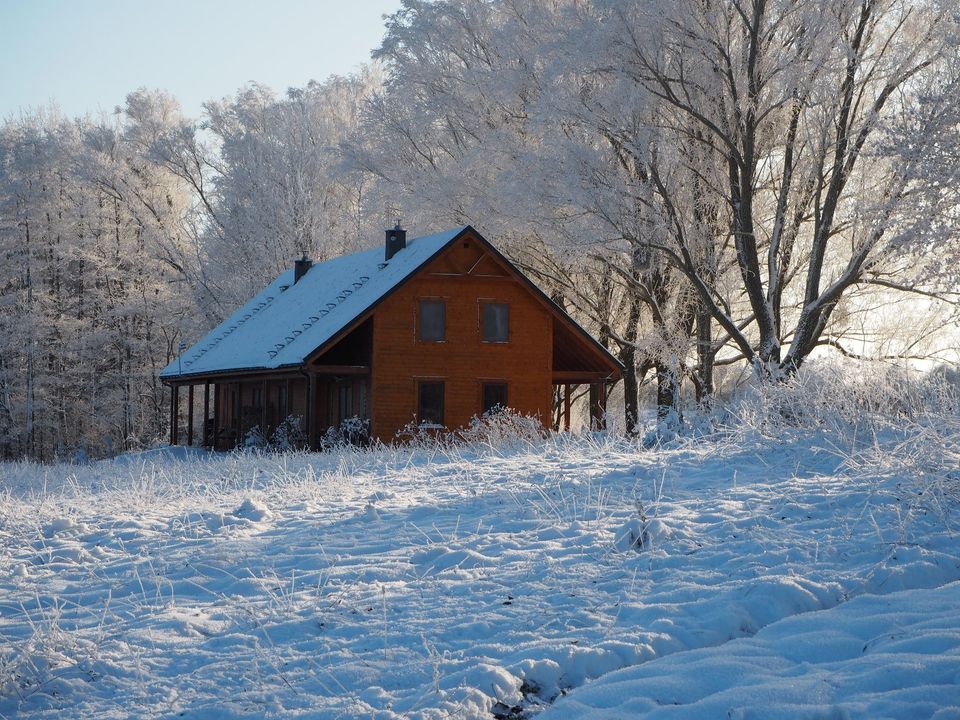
(421, 384)
(442, 302)
(483, 324)
(484, 384)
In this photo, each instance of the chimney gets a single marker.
(300, 268)
(396, 241)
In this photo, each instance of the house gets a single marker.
(435, 330)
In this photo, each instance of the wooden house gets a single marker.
(435, 331)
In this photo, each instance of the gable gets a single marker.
(468, 257)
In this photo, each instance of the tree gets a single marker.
(85, 287)
(822, 115)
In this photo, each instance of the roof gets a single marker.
(285, 322)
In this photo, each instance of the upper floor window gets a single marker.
(433, 320)
(495, 322)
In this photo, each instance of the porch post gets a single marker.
(263, 408)
(206, 413)
(173, 390)
(190, 415)
(602, 419)
(594, 397)
(215, 430)
(566, 407)
(175, 425)
(598, 405)
(311, 409)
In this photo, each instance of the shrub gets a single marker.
(288, 435)
(503, 427)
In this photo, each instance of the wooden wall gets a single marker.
(463, 277)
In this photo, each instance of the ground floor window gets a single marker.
(431, 403)
(494, 397)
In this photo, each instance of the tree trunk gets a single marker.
(668, 392)
(705, 355)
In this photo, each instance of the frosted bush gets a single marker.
(353, 431)
(288, 435)
(832, 398)
(254, 439)
(504, 427)
(422, 435)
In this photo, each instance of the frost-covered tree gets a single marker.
(90, 302)
(499, 114)
(704, 183)
(824, 116)
(281, 187)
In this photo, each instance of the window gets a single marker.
(433, 320)
(345, 400)
(496, 322)
(431, 403)
(494, 397)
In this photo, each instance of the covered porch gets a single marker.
(579, 369)
(299, 408)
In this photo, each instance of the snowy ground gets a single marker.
(801, 576)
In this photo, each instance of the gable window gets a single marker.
(433, 320)
(494, 398)
(495, 322)
(430, 410)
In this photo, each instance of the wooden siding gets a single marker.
(463, 276)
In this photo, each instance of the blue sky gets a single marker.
(86, 55)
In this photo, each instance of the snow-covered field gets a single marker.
(792, 574)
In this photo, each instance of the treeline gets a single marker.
(706, 186)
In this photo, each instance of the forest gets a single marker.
(717, 190)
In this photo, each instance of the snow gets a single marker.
(286, 321)
(891, 656)
(797, 577)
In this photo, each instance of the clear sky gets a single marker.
(86, 55)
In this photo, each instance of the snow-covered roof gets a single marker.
(285, 322)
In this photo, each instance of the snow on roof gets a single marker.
(285, 322)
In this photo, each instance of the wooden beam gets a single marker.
(217, 410)
(341, 369)
(598, 406)
(311, 410)
(173, 392)
(175, 424)
(263, 408)
(190, 415)
(579, 377)
(566, 407)
(237, 375)
(601, 406)
(206, 414)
